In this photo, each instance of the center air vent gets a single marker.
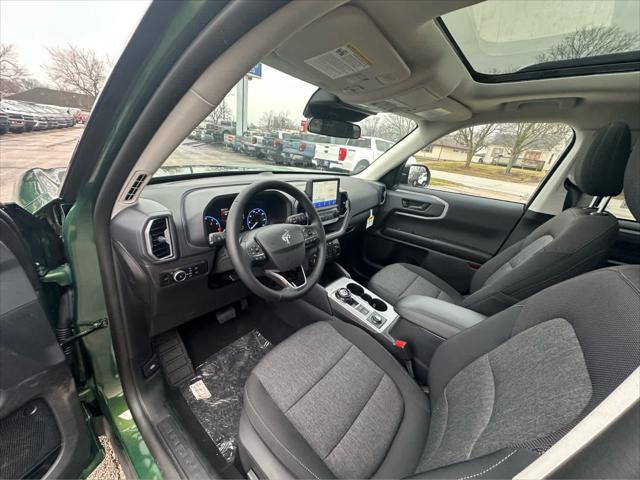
(158, 235)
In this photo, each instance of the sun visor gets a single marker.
(345, 53)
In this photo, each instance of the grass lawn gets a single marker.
(439, 182)
(495, 172)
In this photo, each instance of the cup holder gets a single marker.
(378, 304)
(355, 289)
(375, 303)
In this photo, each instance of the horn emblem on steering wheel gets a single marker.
(286, 237)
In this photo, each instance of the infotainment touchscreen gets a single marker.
(324, 193)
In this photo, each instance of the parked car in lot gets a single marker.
(81, 117)
(251, 143)
(300, 149)
(273, 143)
(4, 123)
(15, 119)
(352, 156)
(28, 119)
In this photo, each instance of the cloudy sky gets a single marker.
(105, 27)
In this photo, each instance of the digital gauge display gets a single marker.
(256, 218)
(213, 224)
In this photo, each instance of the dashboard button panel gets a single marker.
(180, 275)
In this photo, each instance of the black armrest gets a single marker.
(441, 318)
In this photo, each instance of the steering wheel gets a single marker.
(276, 251)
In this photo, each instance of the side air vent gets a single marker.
(136, 183)
(383, 195)
(342, 207)
(158, 236)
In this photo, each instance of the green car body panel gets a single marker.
(39, 187)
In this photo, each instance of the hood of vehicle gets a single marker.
(39, 186)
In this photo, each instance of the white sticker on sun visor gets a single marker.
(340, 62)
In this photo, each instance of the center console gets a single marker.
(412, 330)
(362, 306)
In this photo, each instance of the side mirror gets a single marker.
(333, 128)
(416, 175)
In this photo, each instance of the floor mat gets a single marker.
(215, 395)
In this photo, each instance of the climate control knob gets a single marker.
(179, 276)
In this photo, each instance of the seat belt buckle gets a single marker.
(403, 352)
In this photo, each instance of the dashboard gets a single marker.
(265, 209)
(162, 241)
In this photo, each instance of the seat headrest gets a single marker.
(632, 185)
(601, 171)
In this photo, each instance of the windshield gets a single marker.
(259, 126)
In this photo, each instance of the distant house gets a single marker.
(58, 98)
(541, 159)
(445, 149)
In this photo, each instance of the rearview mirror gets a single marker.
(333, 128)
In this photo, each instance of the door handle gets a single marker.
(415, 205)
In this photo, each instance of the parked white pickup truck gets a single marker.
(352, 156)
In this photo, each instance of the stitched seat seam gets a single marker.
(486, 470)
(275, 436)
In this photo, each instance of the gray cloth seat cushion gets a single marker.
(574, 242)
(402, 279)
(331, 402)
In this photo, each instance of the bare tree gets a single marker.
(272, 120)
(591, 41)
(396, 127)
(221, 113)
(474, 139)
(13, 74)
(371, 126)
(516, 138)
(78, 70)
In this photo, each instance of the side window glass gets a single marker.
(505, 161)
(618, 207)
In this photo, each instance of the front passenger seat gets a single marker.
(574, 242)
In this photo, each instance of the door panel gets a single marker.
(449, 234)
(43, 428)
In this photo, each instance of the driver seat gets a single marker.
(331, 402)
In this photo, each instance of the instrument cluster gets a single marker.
(267, 208)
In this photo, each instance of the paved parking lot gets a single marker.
(48, 149)
(20, 152)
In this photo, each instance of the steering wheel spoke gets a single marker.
(281, 279)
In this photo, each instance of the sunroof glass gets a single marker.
(505, 36)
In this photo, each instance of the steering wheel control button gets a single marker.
(256, 253)
(310, 236)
